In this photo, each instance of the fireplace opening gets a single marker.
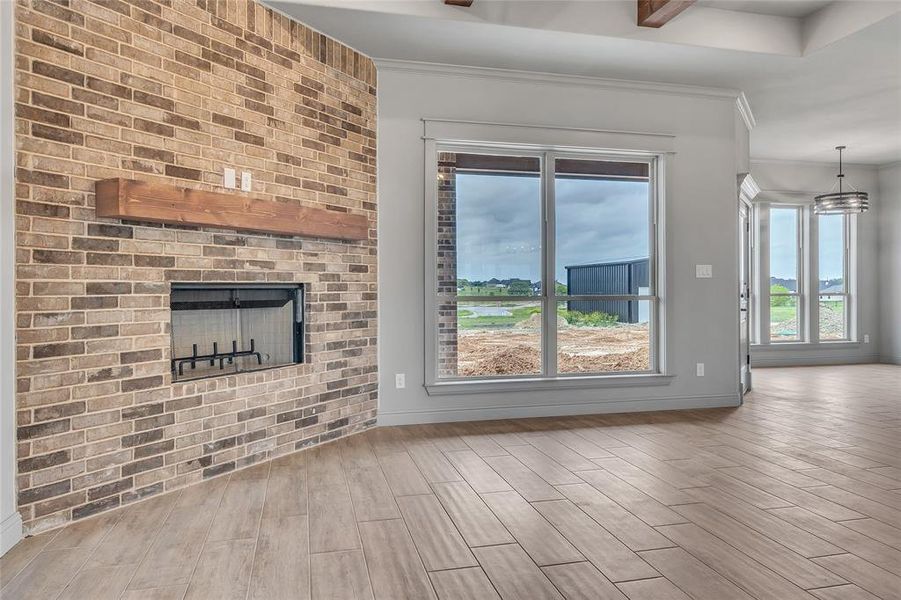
(221, 329)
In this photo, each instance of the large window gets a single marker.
(807, 297)
(832, 284)
(785, 269)
(545, 265)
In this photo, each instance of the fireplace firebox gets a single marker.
(220, 329)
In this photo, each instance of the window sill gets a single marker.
(838, 345)
(448, 388)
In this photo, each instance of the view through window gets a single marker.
(784, 273)
(832, 286)
(501, 268)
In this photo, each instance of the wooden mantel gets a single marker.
(160, 203)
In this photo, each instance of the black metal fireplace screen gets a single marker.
(226, 328)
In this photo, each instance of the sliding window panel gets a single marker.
(831, 254)
(784, 250)
(604, 335)
(603, 227)
(489, 225)
(489, 338)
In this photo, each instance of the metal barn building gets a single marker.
(621, 277)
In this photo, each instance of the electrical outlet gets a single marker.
(703, 271)
(246, 181)
(700, 369)
(400, 381)
(229, 178)
(866, 338)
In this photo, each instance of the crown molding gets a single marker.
(749, 187)
(556, 79)
(812, 163)
(744, 109)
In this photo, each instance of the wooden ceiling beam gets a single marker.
(466, 3)
(657, 13)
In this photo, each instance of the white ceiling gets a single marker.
(781, 8)
(827, 77)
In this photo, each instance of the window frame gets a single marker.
(800, 283)
(548, 299)
(846, 281)
(808, 273)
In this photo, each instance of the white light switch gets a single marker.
(700, 369)
(400, 381)
(246, 181)
(703, 271)
(229, 178)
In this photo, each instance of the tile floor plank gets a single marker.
(475, 521)
(693, 576)
(436, 538)
(340, 575)
(514, 575)
(535, 534)
(608, 554)
(881, 583)
(463, 584)
(582, 581)
(395, 569)
(281, 562)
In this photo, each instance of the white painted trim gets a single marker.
(10, 532)
(11, 528)
(812, 163)
(554, 79)
(744, 109)
(485, 386)
(548, 137)
(556, 409)
(749, 188)
(798, 359)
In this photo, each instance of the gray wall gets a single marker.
(890, 262)
(812, 179)
(701, 216)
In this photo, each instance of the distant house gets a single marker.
(618, 278)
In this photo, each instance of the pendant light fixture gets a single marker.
(841, 202)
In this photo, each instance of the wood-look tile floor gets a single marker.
(797, 494)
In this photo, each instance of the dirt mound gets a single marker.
(581, 350)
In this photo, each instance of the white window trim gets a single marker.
(808, 275)
(512, 139)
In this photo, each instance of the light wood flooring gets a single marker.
(797, 494)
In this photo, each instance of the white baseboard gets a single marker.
(10, 532)
(806, 359)
(890, 360)
(555, 410)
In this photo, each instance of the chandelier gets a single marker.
(841, 202)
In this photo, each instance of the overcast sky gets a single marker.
(784, 244)
(498, 224)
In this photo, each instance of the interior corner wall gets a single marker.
(889, 240)
(812, 179)
(701, 217)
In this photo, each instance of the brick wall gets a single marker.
(173, 91)
(447, 263)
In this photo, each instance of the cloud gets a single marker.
(499, 219)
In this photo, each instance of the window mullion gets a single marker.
(548, 277)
